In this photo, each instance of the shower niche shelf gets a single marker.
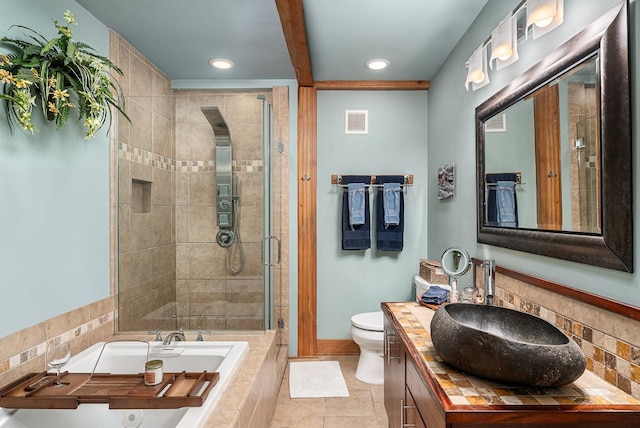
(120, 391)
(140, 196)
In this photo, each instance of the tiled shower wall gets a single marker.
(584, 162)
(146, 195)
(610, 342)
(209, 295)
(172, 273)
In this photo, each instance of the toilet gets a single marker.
(367, 331)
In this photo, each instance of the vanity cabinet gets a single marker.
(414, 396)
(403, 382)
(394, 375)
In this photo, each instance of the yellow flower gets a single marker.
(52, 108)
(60, 94)
(70, 105)
(35, 73)
(68, 16)
(5, 59)
(52, 81)
(5, 76)
(23, 83)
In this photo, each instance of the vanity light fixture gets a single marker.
(542, 17)
(221, 63)
(377, 64)
(504, 43)
(477, 74)
(501, 40)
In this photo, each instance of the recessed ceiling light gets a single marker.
(377, 64)
(221, 63)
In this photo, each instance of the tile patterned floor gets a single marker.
(363, 407)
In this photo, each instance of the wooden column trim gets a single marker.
(295, 35)
(307, 242)
(372, 85)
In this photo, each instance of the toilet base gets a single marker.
(370, 368)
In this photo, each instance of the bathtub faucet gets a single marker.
(176, 335)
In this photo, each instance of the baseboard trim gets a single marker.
(337, 347)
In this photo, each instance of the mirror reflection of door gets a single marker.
(546, 111)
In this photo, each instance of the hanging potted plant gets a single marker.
(63, 74)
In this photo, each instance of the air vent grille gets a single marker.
(356, 121)
(497, 123)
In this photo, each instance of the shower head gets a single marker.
(220, 128)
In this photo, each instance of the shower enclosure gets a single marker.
(182, 263)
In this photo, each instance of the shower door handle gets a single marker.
(269, 238)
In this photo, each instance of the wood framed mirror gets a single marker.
(552, 216)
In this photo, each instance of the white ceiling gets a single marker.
(180, 37)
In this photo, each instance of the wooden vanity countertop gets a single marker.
(459, 392)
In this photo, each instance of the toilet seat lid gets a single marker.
(372, 321)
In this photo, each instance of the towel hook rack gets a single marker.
(337, 180)
(518, 180)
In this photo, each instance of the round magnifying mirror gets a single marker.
(455, 262)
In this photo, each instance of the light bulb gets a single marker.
(544, 22)
(221, 63)
(503, 52)
(476, 76)
(377, 64)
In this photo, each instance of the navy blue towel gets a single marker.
(355, 237)
(388, 237)
(435, 295)
(492, 205)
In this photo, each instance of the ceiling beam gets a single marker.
(295, 34)
(372, 85)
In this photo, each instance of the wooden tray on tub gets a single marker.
(120, 391)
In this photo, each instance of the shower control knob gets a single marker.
(225, 238)
(224, 204)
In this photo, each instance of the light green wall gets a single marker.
(452, 137)
(54, 195)
(350, 282)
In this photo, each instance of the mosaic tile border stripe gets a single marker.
(40, 349)
(148, 158)
(462, 389)
(145, 157)
(610, 358)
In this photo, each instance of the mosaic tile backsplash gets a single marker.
(23, 352)
(610, 342)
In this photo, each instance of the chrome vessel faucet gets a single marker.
(489, 280)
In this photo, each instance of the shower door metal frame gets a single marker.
(268, 259)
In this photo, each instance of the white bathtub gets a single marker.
(129, 358)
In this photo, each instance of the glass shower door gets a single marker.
(270, 242)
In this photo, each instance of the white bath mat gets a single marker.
(314, 379)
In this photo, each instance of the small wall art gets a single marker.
(446, 181)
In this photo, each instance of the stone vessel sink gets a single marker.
(505, 345)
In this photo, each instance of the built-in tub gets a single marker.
(128, 357)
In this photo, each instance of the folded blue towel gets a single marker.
(356, 203)
(355, 237)
(491, 212)
(389, 237)
(506, 204)
(391, 195)
(435, 295)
